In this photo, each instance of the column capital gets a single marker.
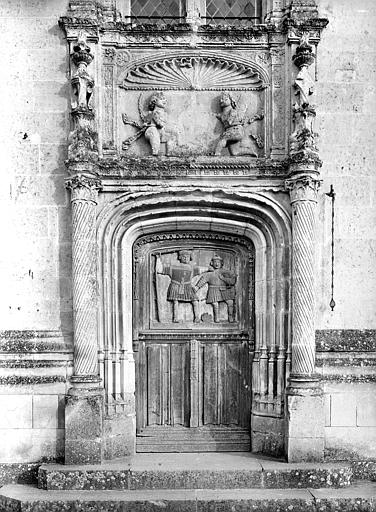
(84, 187)
(303, 188)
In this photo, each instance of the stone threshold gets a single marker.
(195, 471)
(360, 497)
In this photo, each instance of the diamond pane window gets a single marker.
(152, 11)
(222, 11)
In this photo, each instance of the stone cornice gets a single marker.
(155, 168)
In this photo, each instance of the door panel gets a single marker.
(193, 337)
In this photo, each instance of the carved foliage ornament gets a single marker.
(303, 188)
(193, 73)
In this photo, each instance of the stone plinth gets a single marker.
(305, 419)
(84, 426)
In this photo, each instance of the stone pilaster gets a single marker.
(84, 402)
(305, 408)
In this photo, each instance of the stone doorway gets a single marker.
(193, 323)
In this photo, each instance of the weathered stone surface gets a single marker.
(195, 471)
(360, 498)
(84, 428)
(347, 340)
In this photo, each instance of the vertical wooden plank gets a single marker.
(177, 384)
(245, 386)
(153, 385)
(186, 386)
(193, 377)
(210, 384)
(233, 374)
(165, 385)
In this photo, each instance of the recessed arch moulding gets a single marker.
(255, 217)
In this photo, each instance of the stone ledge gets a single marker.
(194, 471)
(360, 497)
(35, 341)
(346, 340)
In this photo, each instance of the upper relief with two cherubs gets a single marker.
(193, 111)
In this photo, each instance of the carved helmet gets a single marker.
(183, 252)
(216, 257)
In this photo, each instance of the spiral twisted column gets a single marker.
(84, 192)
(303, 195)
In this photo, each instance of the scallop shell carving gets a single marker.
(193, 73)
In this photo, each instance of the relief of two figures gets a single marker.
(157, 130)
(221, 286)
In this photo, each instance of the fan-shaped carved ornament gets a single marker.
(193, 73)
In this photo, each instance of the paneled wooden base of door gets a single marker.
(200, 439)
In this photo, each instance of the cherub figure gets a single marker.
(233, 117)
(153, 125)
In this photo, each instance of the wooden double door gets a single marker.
(193, 339)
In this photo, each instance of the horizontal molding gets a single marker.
(346, 340)
(31, 380)
(35, 341)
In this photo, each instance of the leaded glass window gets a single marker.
(158, 10)
(222, 11)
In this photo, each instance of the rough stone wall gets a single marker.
(35, 260)
(346, 124)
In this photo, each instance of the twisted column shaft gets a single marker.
(84, 199)
(303, 194)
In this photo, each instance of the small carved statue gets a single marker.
(221, 288)
(153, 125)
(234, 119)
(180, 289)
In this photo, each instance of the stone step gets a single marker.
(359, 497)
(194, 471)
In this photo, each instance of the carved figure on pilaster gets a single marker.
(82, 82)
(82, 140)
(303, 138)
(233, 118)
(153, 125)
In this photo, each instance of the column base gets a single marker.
(84, 421)
(305, 419)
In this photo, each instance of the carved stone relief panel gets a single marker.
(187, 123)
(192, 283)
(187, 104)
